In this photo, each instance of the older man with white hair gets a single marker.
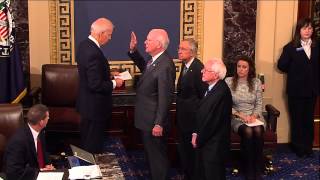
(154, 97)
(211, 136)
(94, 101)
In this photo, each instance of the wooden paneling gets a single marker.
(316, 142)
(304, 8)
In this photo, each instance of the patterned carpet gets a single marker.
(286, 164)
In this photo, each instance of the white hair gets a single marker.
(101, 25)
(162, 37)
(218, 67)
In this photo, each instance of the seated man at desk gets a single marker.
(25, 153)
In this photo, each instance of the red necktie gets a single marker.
(40, 154)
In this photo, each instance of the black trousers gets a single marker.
(186, 154)
(208, 167)
(156, 154)
(92, 134)
(251, 148)
(301, 112)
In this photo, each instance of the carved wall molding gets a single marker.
(61, 41)
(191, 22)
(62, 35)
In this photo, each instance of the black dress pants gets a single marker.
(92, 134)
(301, 112)
(186, 154)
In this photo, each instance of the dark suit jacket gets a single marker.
(190, 90)
(94, 100)
(21, 157)
(154, 91)
(303, 73)
(213, 122)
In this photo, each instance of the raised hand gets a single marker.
(133, 42)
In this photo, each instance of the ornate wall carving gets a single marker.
(191, 24)
(61, 30)
(61, 40)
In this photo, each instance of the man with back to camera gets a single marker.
(190, 90)
(154, 97)
(94, 102)
(25, 154)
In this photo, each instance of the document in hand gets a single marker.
(85, 172)
(50, 176)
(256, 123)
(124, 75)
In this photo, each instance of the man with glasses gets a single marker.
(154, 97)
(190, 90)
(211, 135)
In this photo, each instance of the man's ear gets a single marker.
(41, 123)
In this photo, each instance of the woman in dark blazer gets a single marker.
(300, 60)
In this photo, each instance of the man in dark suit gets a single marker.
(190, 90)
(25, 154)
(94, 100)
(211, 137)
(154, 97)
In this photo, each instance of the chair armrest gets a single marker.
(272, 116)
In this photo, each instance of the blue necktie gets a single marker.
(185, 70)
(149, 63)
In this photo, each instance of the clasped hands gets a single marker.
(247, 118)
(157, 130)
(48, 167)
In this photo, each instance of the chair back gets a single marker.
(59, 85)
(11, 118)
(59, 91)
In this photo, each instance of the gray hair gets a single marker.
(37, 113)
(193, 45)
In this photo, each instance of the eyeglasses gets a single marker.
(205, 70)
(183, 49)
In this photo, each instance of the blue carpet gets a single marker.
(286, 164)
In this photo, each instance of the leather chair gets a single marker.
(58, 92)
(11, 118)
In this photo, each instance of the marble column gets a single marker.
(239, 30)
(19, 10)
(316, 17)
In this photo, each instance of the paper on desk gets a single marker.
(50, 176)
(256, 123)
(124, 75)
(85, 172)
